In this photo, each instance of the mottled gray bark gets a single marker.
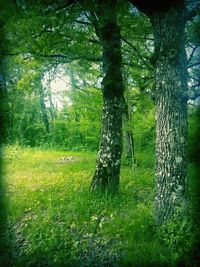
(171, 111)
(108, 164)
(168, 20)
(109, 156)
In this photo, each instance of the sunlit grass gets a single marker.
(53, 220)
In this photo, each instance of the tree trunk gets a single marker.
(171, 112)
(52, 108)
(128, 135)
(43, 109)
(4, 109)
(108, 164)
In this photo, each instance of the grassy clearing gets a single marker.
(52, 219)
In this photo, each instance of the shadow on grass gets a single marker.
(193, 257)
(196, 213)
(4, 247)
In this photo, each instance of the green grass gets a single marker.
(53, 220)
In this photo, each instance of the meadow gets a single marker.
(53, 220)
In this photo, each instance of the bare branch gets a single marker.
(67, 83)
(196, 85)
(192, 13)
(9, 54)
(193, 65)
(191, 104)
(193, 94)
(83, 22)
(29, 55)
(94, 20)
(192, 53)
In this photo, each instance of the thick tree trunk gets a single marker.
(171, 112)
(109, 156)
(108, 164)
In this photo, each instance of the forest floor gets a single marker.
(53, 220)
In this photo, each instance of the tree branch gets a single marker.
(31, 54)
(94, 21)
(192, 53)
(9, 54)
(193, 65)
(193, 94)
(83, 22)
(192, 13)
(196, 85)
(145, 60)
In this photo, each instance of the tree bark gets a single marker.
(171, 112)
(108, 164)
(168, 21)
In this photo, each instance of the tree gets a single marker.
(193, 48)
(2, 97)
(128, 134)
(168, 20)
(43, 106)
(3, 93)
(108, 164)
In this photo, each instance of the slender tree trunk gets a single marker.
(171, 112)
(3, 103)
(52, 108)
(21, 122)
(128, 135)
(43, 109)
(108, 164)
(11, 120)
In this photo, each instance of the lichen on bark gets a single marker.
(171, 112)
(108, 163)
